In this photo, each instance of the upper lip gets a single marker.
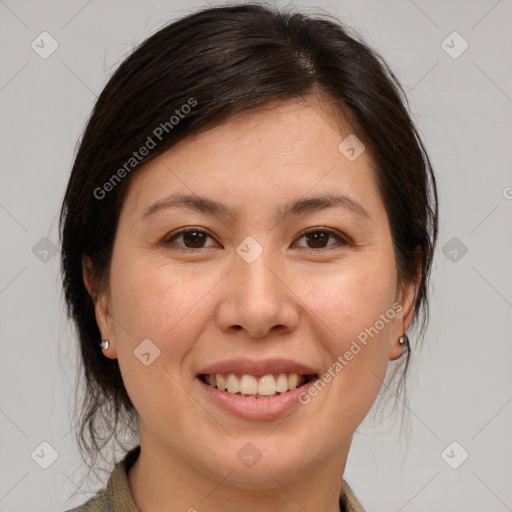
(254, 367)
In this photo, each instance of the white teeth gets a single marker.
(293, 381)
(233, 383)
(267, 385)
(221, 382)
(282, 383)
(249, 385)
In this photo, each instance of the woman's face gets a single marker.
(251, 288)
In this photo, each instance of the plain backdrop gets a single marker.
(460, 388)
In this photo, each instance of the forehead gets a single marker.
(280, 149)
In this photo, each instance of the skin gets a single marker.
(298, 299)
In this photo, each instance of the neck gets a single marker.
(161, 480)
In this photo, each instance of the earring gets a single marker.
(105, 344)
(404, 340)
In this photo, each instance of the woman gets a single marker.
(247, 236)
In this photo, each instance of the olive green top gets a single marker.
(117, 496)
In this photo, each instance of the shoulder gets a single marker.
(116, 496)
(98, 503)
(348, 500)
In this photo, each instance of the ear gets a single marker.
(101, 300)
(406, 298)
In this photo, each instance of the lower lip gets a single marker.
(256, 408)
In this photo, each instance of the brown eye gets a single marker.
(192, 238)
(318, 238)
(195, 238)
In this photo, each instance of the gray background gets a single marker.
(460, 388)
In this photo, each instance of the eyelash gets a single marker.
(169, 241)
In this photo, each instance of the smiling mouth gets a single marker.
(251, 386)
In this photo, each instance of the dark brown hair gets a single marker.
(224, 61)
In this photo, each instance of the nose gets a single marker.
(258, 298)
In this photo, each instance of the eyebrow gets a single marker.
(212, 207)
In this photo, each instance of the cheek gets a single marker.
(345, 307)
(350, 299)
(356, 340)
(355, 313)
(152, 300)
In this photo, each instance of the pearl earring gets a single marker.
(404, 340)
(105, 344)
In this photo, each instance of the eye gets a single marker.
(319, 236)
(193, 238)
